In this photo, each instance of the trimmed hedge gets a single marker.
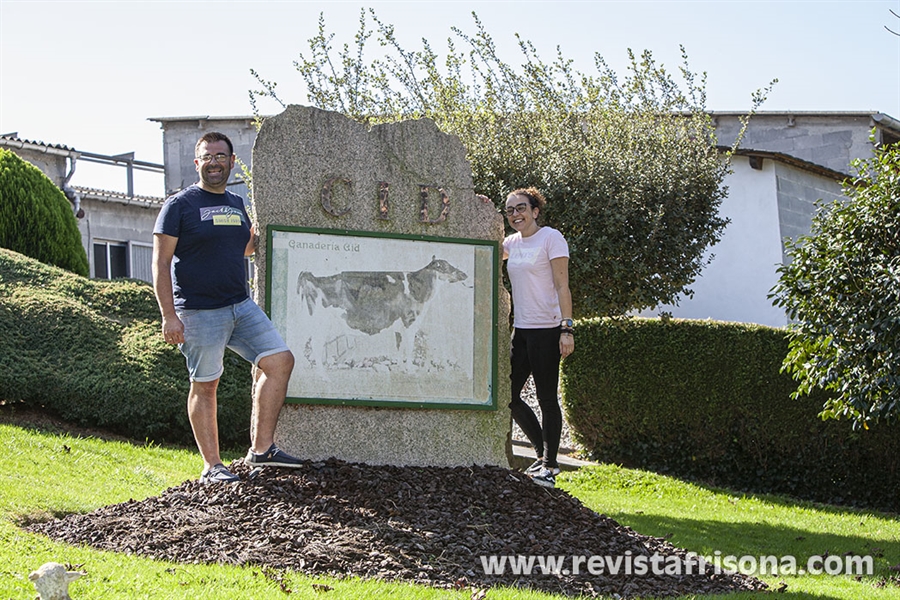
(707, 401)
(90, 352)
(36, 218)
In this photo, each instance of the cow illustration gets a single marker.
(372, 302)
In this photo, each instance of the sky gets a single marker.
(90, 74)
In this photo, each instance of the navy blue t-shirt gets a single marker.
(212, 231)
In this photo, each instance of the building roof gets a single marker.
(788, 160)
(204, 118)
(118, 197)
(12, 140)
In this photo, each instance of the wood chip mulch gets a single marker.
(428, 525)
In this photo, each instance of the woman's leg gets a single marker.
(544, 356)
(521, 412)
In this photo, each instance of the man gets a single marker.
(204, 232)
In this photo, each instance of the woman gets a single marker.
(537, 261)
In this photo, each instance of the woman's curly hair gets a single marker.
(535, 198)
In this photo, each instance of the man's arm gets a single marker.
(163, 251)
(253, 243)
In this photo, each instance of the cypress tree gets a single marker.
(36, 218)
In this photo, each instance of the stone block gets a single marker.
(319, 170)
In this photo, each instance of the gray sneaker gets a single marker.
(218, 474)
(538, 466)
(273, 457)
(535, 467)
(546, 478)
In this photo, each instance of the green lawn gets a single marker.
(707, 520)
(55, 474)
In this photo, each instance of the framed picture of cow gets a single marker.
(385, 319)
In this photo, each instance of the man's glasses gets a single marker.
(219, 158)
(518, 208)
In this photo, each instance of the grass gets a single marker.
(49, 474)
(710, 520)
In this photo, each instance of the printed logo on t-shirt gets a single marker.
(221, 215)
(524, 255)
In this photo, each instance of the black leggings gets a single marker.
(535, 352)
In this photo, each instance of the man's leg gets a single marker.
(257, 340)
(272, 375)
(205, 335)
(202, 414)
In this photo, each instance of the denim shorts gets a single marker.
(243, 327)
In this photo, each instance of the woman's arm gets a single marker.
(560, 268)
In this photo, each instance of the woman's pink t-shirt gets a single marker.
(534, 297)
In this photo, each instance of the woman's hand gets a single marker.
(566, 344)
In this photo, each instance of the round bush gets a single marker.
(36, 218)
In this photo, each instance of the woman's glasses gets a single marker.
(518, 208)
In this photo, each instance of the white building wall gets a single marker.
(765, 206)
(733, 287)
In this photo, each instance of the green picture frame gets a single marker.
(377, 319)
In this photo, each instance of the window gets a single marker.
(110, 260)
(141, 261)
(132, 259)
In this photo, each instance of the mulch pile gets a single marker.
(427, 525)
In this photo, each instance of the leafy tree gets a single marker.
(842, 289)
(36, 218)
(630, 168)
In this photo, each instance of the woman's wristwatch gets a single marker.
(566, 327)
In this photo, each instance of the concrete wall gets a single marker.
(180, 136)
(829, 140)
(798, 191)
(765, 206)
(113, 221)
(54, 166)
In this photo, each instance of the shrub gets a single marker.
(628, 164)
(89, 351)
(842, 287)
(36, 218)
(708, 401)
